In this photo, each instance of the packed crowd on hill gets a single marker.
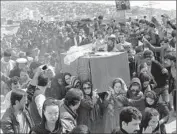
(38, 97)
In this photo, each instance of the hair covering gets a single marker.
(124, 86)
(129, 92)
(136, 80)
(148, 54)
(74, 81)
(144, 77)
(151, 94)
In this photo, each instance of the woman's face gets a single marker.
(134, 89)
(67, 79)
(150, 101)
(51, 113)
(144, 70)
(50, 73)
(117, 87)
(87, 89)
(154, 122)
(60, 81)
(23, 76)
(145, 84)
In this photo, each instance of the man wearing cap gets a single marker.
(159, 73)
(21, 63)
(111, 44)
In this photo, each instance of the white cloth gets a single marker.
(76, 52)
(39, 100)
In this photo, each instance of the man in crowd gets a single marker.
(17, 119)
(36, 94)
(68, 109)
(130, 119)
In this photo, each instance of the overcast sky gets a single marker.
(165, 4)
(168, 5)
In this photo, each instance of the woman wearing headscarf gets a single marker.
(112, 105)
(88, 112)
(58, 90)
(152, 101)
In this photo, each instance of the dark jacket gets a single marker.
(9, 123)
(32, 105)
(84, 111)
(171, 81)
(119, 131)
(161, 107)
(88, 113)
(138, 100)
(57, 91)
(159, 77)
(15, 72)
(68, 118)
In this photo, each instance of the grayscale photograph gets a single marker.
(88, 67)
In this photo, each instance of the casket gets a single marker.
(99, 68)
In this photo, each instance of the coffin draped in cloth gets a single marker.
(100, 68)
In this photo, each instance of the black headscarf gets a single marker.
(151, 94)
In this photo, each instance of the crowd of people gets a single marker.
(38, 97)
